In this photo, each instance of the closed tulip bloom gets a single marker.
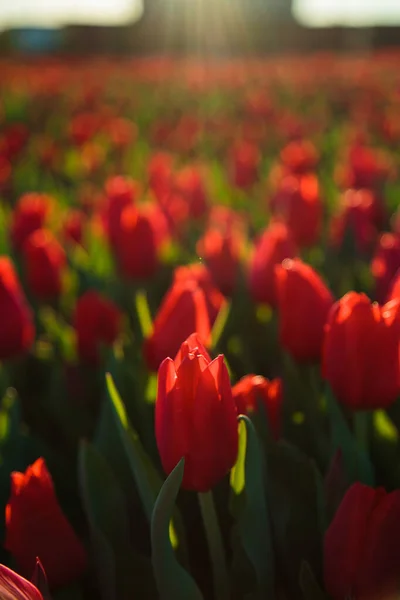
(300, 157)
(201, 275)
(252, 389)
(361, 352)
(357, 216)
(17, 332)
(121, 192)
(189, 183)
(136, 248)
(15, 587)
(361, 546)
(304, 302)
(385, 264)
(29, 215)
(221, 253)
(37, 527)
(297, 202)
(74, 226)
(45, 261)
(244, 165)
(196, 416)
(159, 171)
(275, 245)
(182, 311)
(97, 322)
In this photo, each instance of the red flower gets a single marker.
(44, 260)
(357, 216)
(299, 157)
(160, 174)
(298, 204)
(29, 215)
(385, 264)
(252, 388)
(136, 247)
(189, 183)
(96, 321)
(275, 245)
(183, 310)
(37, 527)
(361, 352)
(244, 165)
(361, 557)
(17, 332)
(15, 587)
(304, 303)
(196, 416)
(201, 276)
(221, 254)
(74, 226)
(121, 192)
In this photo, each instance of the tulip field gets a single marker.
(200, 328)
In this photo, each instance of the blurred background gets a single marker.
(196, 26)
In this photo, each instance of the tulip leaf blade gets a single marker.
(356, 462)
(253, 521)
(237, 478)
(172, 580)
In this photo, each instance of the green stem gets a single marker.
(361, 430)
(215, 545)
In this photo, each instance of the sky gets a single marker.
(310, 12)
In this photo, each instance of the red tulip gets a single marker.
(361, 548)
(74, 226)
(29, 215)
(121, 192)
(160, 174)
(96, 321)
(275, 245)
(15, 587)
(37, 527)
(385, 264)
(17, 332)
(189, 183)
(252, 388)
(298, 204)
(221, 254)
(201, 275)
(45, 260)
(244, 166)
(304, 303)
(299, 157)
(136, 247)
(361, 352)
(357, 215)
(196, 416)
(183, 310)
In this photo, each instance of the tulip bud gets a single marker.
(45, 260)
(304, 303)
(221, 254)
(385, 264)
(298, 204)
(136, 247)
(189, 183)
(275, 245)
(96, 321)
(201, 276)
(361, 352)
(121, 192)
(36, 526)
(29, 215)
(361, 547)
(183, 310)
(196, 416)
(17, 332)
(253, 388)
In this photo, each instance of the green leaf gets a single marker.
(253, 520)
(309, 585)
(237, 478)
(219, 325)
(143, 312)
(356, 462)
(297, 512)
(172, 580)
